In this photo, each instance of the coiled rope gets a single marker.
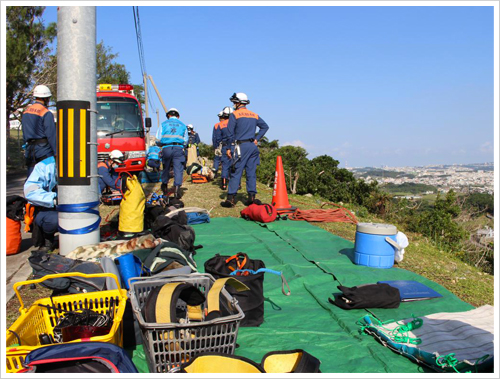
(340, 214)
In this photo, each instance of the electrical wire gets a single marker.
(142, 59)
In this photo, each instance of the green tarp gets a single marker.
(314, 262)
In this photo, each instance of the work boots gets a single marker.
(230, 202)
(251, 199)
(177, 192)
(223, 185)
(164, 189)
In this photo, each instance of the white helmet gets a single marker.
(220, 114)
(239, 97)
(190, 126)
(227, 111)
(173, 111)
(117, 156)
(42, 91)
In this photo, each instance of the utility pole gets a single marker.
(146, 105)
(78, 196)
(158, 93)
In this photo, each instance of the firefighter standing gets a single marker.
(226, 161)
(241, 130)
(39, 129)
(216, 143)
(173, 138)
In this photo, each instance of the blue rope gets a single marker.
(253, 272)
(80, 208)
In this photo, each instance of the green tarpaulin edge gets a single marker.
(314, 262)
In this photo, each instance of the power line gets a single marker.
(140, 49)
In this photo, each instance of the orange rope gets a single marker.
(324, 215)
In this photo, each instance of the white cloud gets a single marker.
(297, 143)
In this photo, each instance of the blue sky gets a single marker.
(369, 86)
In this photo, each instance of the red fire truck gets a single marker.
(120, 125)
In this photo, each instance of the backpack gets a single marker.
(170, 230)
(79, 357)
(44, 264)
(164, 255)
(260, 213)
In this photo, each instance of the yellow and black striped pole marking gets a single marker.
(73, 127)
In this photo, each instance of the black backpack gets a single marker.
(252, 301)
(44, 264)
(170, 230)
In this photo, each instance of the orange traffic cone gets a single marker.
(280, 196)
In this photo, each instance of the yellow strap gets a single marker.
(163, 302)
(214, 293)
(219, 364)
(280, 363)
(194, 312)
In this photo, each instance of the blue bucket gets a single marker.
(375, 245)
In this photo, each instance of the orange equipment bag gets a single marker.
(198, 178)
(13, 236)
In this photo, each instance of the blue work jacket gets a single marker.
(173, 131)
(154, 152)
(40, 185)
(242, 125)
(38, 122)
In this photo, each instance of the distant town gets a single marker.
(476, 177)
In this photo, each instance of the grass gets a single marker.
(421, 256)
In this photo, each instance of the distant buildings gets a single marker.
(460, 178)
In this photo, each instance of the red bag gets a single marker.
(260, 213)
(13, 236)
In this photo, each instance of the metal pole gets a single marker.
(158, 117)
(146, 104)
(77, 143)
(158, 93)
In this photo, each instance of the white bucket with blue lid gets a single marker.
(375, 245)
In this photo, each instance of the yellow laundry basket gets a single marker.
(22, 336)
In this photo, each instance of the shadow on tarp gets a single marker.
(349, 253)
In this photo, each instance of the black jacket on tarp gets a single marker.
(380, 295)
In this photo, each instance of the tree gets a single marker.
(108, 71)
(27, 51)
(440, 224)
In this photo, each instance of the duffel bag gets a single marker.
(260, 213)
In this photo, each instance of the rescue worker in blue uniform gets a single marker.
(226, 161)
(194, 138)
(40, 190)
(39, 129)
(108, 177)
(173, 138)
(153, 158)
(240, 131)
(216, 143)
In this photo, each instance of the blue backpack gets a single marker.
(79, 357)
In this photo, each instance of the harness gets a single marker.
(31, 159)
(37, 141)
(240, 141)
(161, 304)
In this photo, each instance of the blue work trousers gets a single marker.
(47, 220)
(217, 160)
(173, 155)
(248, 161)
(226, 163)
